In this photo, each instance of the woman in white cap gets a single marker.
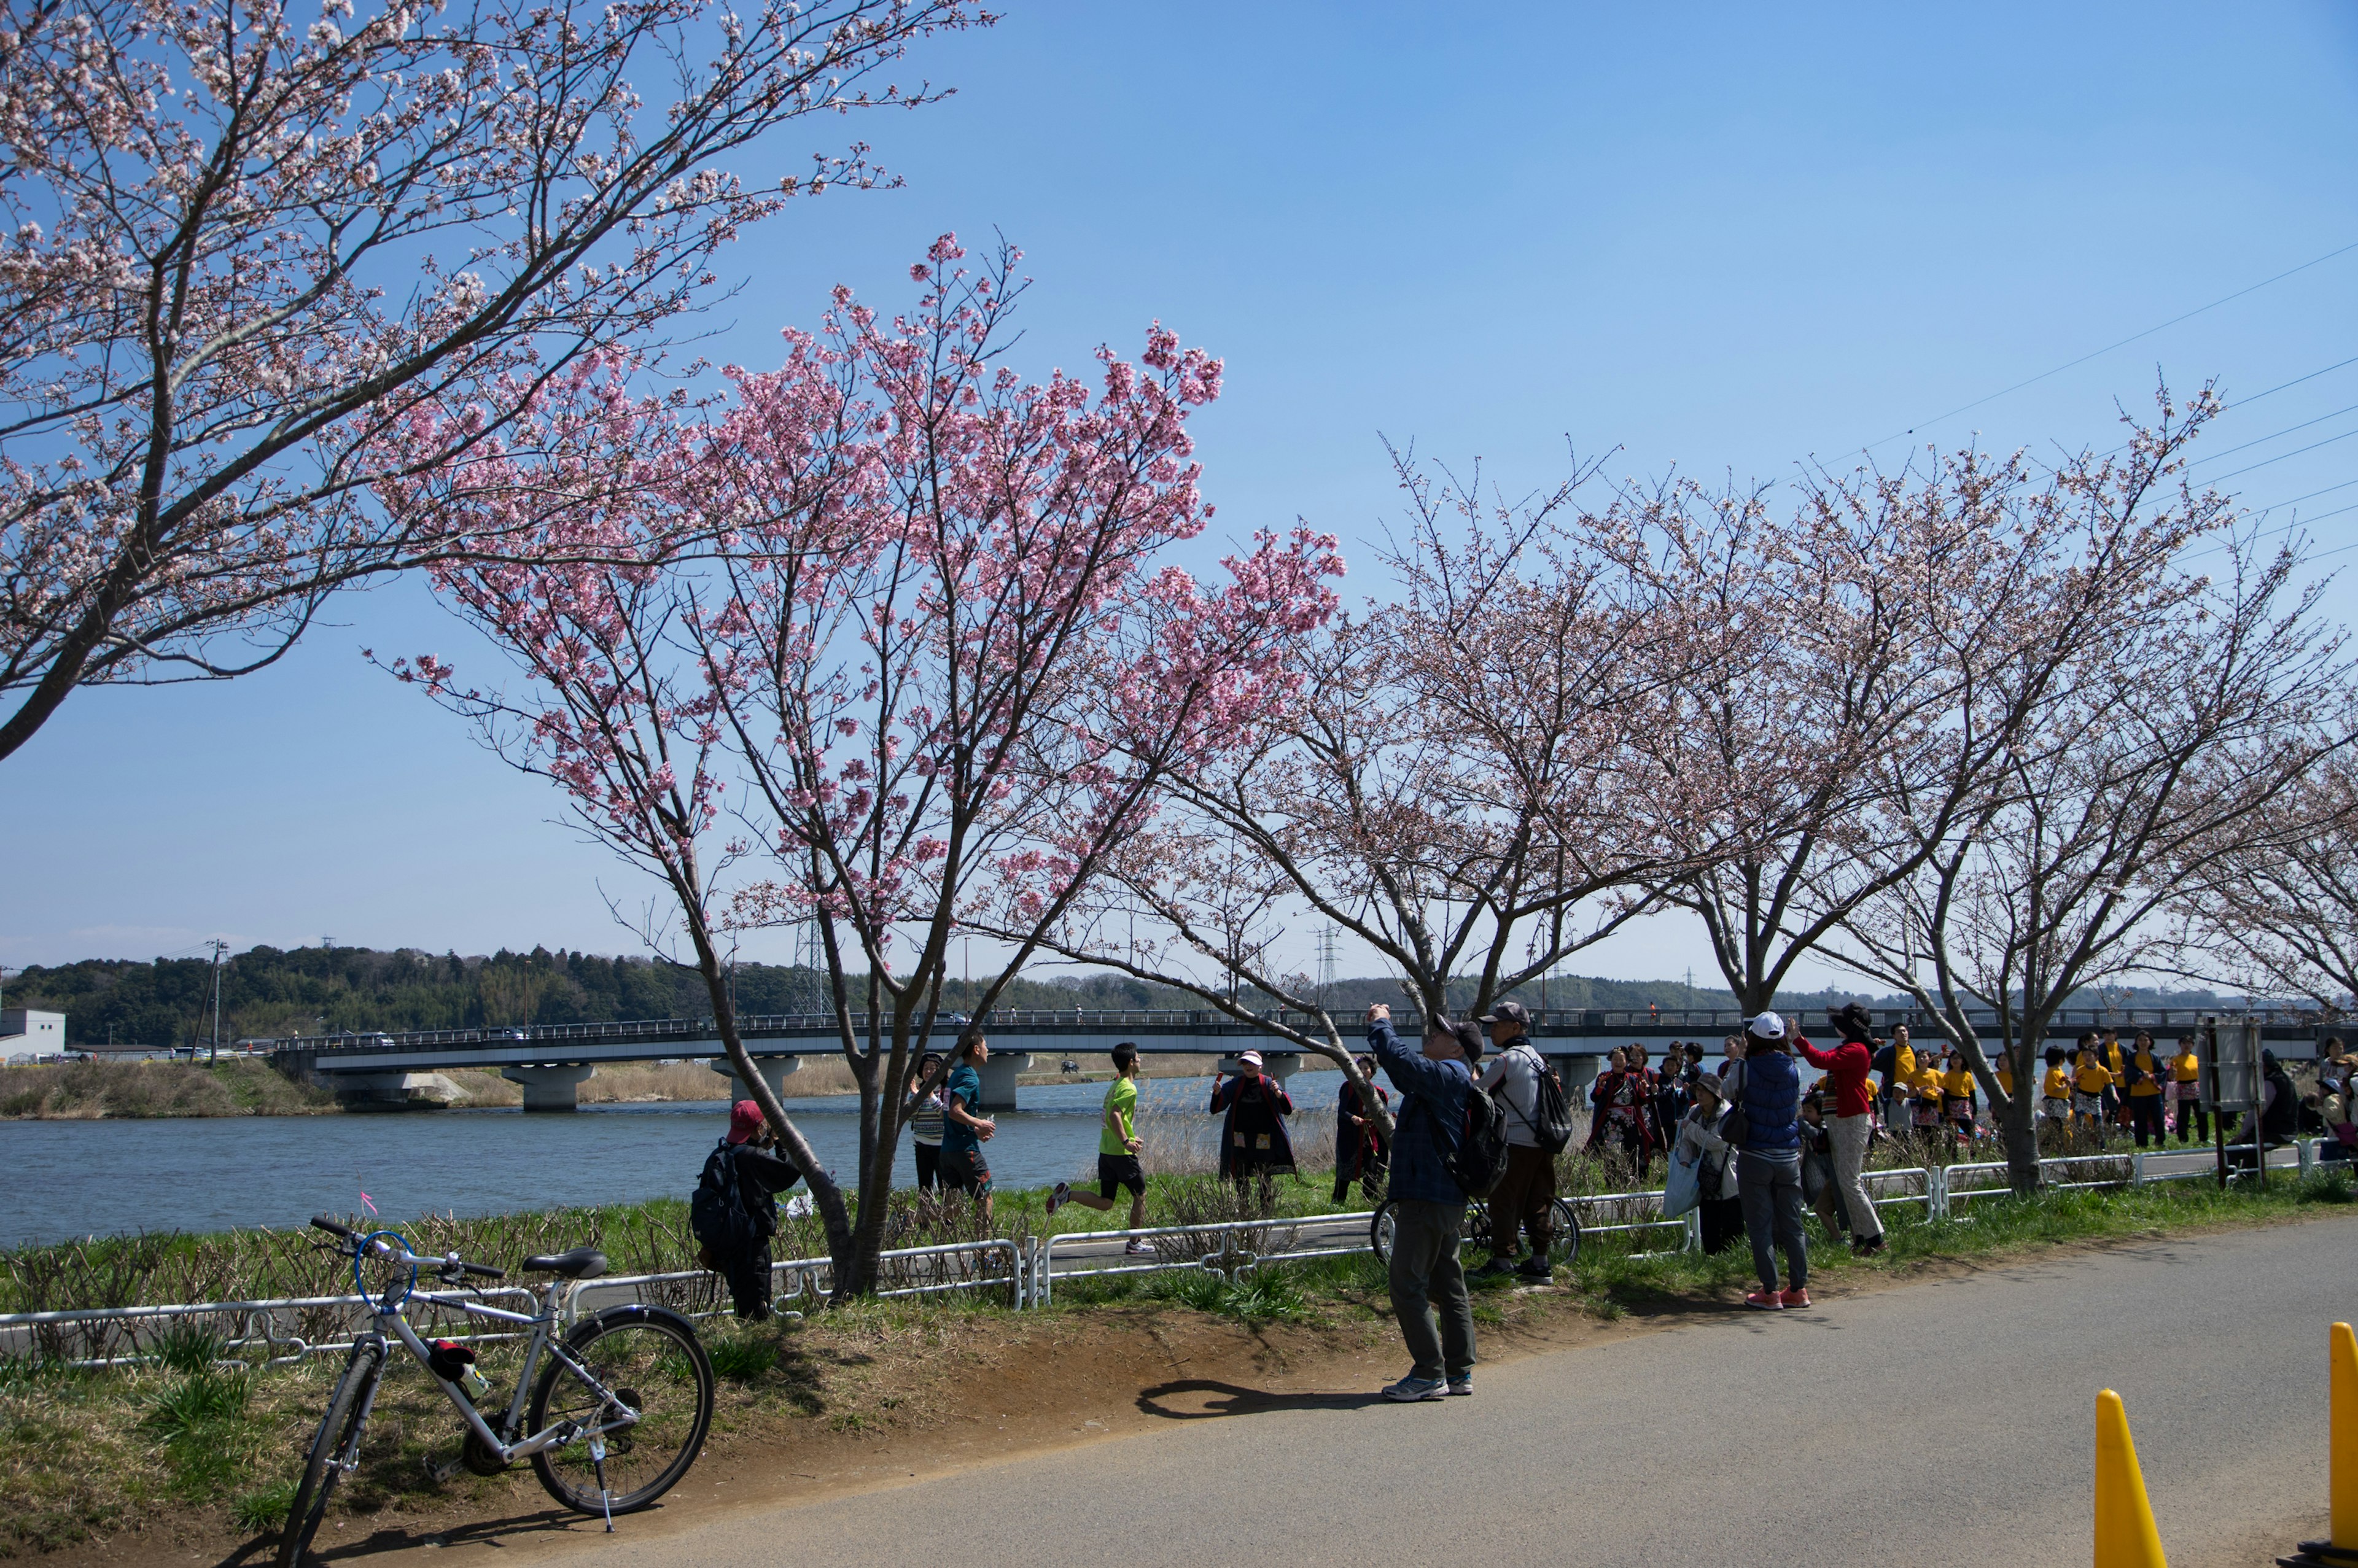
(1768, 1096)
(1252, 1138)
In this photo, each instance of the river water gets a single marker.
(63, 1180)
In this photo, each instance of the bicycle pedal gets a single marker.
(437, 1473)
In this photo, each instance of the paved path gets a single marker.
(1938, 1423)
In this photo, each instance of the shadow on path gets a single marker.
(1203, 1399)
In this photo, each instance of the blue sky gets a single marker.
(1726, 238)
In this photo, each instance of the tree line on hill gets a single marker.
(270, 993)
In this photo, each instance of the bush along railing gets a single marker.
(286, 1329)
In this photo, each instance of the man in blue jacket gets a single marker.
(1429, 1211)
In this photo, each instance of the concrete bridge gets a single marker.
(551, 1061)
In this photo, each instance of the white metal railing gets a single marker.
(1229, 1260)
(263, 1321)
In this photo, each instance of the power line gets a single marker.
(2263, 441)
(2312, 375)
(2313, 495)
(2125, 342)
(2281, 457)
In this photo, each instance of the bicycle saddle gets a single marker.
(580, 1263)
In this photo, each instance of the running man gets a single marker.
(1118, 1147)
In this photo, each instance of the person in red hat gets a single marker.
(735, 1210)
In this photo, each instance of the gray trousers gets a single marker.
(1426, 1272)
(1771, 1189)
(1847, 1136)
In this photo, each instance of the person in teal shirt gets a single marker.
(963, 1168)
(1118, 1147)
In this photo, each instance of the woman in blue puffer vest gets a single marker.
(1768, 1168)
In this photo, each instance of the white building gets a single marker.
(25, 1033)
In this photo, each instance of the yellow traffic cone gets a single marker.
(2125, 1537)
(2340, 1545)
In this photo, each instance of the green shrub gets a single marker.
(742, 1360)
(264, 1509)
(2334, 1185)
(185, 1347)
(198, 1400)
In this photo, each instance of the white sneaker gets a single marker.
(1062, 1195)
(1412, 1389)
(1462, 1385)
(1136, 1249)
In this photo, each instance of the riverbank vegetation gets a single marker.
(87, 1091)
(247, 1086)
(187, 1452)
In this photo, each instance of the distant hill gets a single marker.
(273, 992)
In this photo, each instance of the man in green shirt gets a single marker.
(1118, 1146)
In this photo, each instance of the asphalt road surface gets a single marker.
(1944, 1423)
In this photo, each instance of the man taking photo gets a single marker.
(1429, 1210)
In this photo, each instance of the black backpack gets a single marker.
(719, 1213)
(1553, 1125)
(1478, 1164)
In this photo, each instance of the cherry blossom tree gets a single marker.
(2151, 717)
(1854, 638)
(1454, 785)
(941, 642)
(244, 245)
(2277, 911)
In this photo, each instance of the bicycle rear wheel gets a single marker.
(1381, 1230)
(333, 1450)
(649, 1359)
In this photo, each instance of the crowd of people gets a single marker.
(1759, 1147)
(2094, 1095)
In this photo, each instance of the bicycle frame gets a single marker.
(543, 1340)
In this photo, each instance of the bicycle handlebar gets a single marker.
(449, 1264)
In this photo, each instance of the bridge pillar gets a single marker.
(1578, 1074)
(1278, 1065)
(774, 1071)
(550, 1087)
(999, 1078)
(391, 1091)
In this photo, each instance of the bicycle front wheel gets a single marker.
(644, 1358)
(1563, 1246)
(333, 1450)
(1381, 1230)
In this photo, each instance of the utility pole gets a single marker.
(218, 948)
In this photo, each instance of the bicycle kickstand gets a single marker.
(598, 1460)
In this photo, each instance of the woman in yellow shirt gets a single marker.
(2055, 1098)
(2186, 1082)
(2145, 1070)
(2089, 1081)
(1957, 1107)
(1924, 1097)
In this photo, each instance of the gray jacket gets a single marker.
(1699, 1137)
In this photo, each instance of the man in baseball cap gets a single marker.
(1524, 1197)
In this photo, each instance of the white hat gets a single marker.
(1767, 1026)
(1250, 1058)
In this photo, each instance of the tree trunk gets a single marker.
(2017, 1124)
(825, 1195)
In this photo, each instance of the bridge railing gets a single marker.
(1548, 1024)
